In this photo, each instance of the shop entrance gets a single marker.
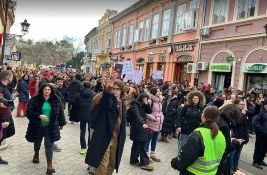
(222, 80)
(180, 73)
(149, 70)
(259, 81)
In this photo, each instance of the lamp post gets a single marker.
(24, 29)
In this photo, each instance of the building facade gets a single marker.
(10, 18)
(234, 44)
(159, 35)
(91, 43)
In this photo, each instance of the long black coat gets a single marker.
(169, 111)
(136, 115)
(34, 110)
(82, 104)
(104, 118)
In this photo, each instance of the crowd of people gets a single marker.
(211, 125)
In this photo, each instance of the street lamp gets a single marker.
(25, 27)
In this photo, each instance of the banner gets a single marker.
(128, 72)
(157, 74)
(138, 77)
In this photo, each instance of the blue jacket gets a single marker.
(23, 90)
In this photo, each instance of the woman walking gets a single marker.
(108, 120)
(202, 152)
(23, 90)
(136, 115)
(46, 117)
(154, 121)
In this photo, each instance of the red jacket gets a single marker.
(32, 87)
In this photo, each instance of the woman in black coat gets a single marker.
(83, 107)
(46, 117)
(169, 108)
(136, 115)
(108, 120)
(229, 116)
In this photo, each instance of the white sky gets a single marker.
(55, 19)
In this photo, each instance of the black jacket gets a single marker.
(224, 126)
(190, 152)
(104, 118)
(240, 131)
(169, 109)
(136, 116)
(13, 84)
(251, 110)
(260, 123)
(73, 90)
(189, 118)
(34, 110)
(82, 105)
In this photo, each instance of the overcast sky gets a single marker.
(56, 19)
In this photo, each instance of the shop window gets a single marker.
(219, 11)
(155, 26)
(258, 81)
(246, 8)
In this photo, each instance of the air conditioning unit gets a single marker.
(205, 31)
(192, 68)
(202, 66)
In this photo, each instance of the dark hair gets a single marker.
(23, 77)
(153, 91)
(141, 97)
(237, 101)
(212, 115)
(78, 76)
(87, 84)
(9, 68)
(59, 78)
(40, 93)
(231, 113)
(218, 102)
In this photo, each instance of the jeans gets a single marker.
(153, 138)
(181, 140)
(82, 134)
(139, 149)
(47, 143)
(234, 158)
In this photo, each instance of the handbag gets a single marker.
(9, 131)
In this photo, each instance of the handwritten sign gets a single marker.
(157, 74)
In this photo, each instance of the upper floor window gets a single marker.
(155, 26)
(246, 8)
(180, 17)
(115, 39)
(219, 11)
(119, 39)
(124, 36)
(141, 27)
(166, 22)
(131, 35)
(147, 30)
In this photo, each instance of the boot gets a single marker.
(50, 169)
(147, 167)
(36, 158)
(161, 138)
(166, 139)
(154, 156)
(169, 136)
(3, 162)
(174, 135)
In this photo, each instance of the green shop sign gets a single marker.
(220, 68)
(257, 68)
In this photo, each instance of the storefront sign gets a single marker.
(220, 67)
(255, 68)
(185, 47)
(230, 58)
(157, 52)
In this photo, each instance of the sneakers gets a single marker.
(56, 148)
(83, 151)
(257, 165)
(3, 162)
(147, 167)
(154, 157)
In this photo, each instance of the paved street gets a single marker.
(69, 161)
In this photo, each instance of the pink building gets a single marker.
(159, 35)
(234, 44)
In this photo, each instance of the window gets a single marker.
(131, 35)
(165, 23)
(124, 37)
(155, 26)
(115, 39)
(141, 27)
(219, 11)
(119, 39)
(194, 4)
(147, 30)
(246, 9)
(180, 17)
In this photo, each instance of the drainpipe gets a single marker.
(200, 36)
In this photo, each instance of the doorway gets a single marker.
(223, 80)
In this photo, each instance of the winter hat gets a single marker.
(218, 102)
(141, 97)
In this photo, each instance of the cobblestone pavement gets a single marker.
(69, 161)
